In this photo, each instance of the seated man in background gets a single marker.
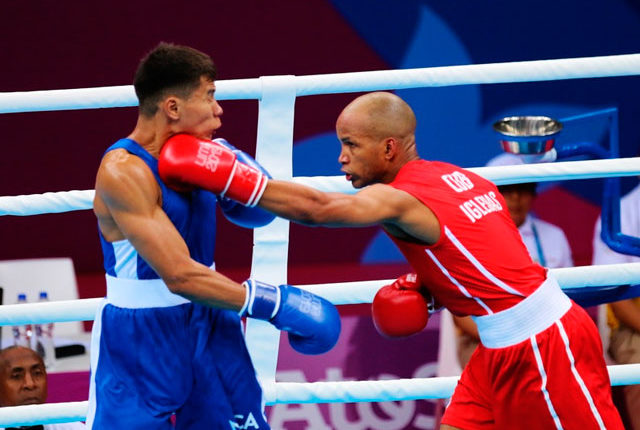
(546, 243)
(23, 381)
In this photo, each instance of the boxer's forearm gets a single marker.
(208, 288)
(294, 201)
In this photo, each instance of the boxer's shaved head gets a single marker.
(382, 115)
(377, 132)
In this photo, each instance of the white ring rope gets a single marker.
(56, 311)
(47, 413)
(401, 389)
(308, 392)
(64, 201)
(339, 293)
(49, 202)
(241, 89)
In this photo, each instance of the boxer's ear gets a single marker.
(171, 108)
(390, 147)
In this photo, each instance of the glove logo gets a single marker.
(246, 171)
(411, 277)
(208, 156)
(309, 304)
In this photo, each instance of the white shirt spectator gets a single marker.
(629, 225)
(551, 242)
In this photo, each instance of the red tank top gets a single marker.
(479, 265)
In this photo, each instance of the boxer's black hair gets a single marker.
(170, 68)
(528, 187)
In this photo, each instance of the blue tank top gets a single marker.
(192, 213)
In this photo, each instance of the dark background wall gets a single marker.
(75, 44)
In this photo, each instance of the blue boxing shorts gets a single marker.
(155, 354)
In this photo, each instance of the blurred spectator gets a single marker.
(546, 243)
(623, 317)
(23, 381)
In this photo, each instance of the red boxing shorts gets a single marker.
(555, 378)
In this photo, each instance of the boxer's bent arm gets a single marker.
(467, 325)
(130, 193)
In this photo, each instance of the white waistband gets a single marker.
(141, 293)
(531, 316)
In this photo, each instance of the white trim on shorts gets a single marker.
(543, 387)
(574, 370)
(531, 316)
(141, 293)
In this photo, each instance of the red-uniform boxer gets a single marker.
(540, 365)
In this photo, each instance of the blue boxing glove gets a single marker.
(313, 323)
(249, 217)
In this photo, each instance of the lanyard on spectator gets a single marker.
(543, 263)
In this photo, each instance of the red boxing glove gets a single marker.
(400, 309)
(187, 160)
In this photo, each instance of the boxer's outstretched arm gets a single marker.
(376, 204)
(188, 161)
(373, 205)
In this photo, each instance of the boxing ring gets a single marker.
(274, 150)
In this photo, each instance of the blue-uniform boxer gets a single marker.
(185, 358)
(155, 353)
